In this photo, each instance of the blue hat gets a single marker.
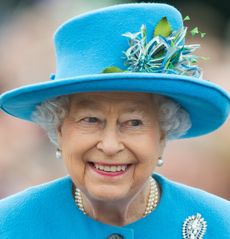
(137, 47)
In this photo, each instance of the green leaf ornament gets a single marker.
(202, 34)
(112, 69)
(187, 18)
(194, 31)
(163, 28)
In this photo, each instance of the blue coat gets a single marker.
(49, 211)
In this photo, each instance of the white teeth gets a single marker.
(118, 168)
(114, 168)
(111, 168)
(123, 168)
(106, 168)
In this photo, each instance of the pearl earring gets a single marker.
(58, 154)
(160, 162)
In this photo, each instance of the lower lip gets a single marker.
(108, 174)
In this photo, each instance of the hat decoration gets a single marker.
(164, 53)
(145, 52)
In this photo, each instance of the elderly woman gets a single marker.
(125, 84)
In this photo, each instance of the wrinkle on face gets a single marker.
(141, 146)
(114, 104)
(136, 101)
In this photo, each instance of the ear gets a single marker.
(162, 142)
(59, 136)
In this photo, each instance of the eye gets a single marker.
(134, 122)
(90, 120)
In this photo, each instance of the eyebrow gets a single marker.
(133, 108)
(86, 103)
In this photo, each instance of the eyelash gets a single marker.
(86, 119)
(96, 120)
(136, 121)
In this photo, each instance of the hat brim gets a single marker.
(207, 104)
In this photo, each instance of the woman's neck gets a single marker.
(118, 213)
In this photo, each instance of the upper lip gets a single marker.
(110, 164)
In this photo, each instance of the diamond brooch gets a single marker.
(194, 227)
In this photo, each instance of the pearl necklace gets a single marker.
(153, 197)
(151, 204)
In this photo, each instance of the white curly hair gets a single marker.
(173, 119)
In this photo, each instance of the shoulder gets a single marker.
(196, 197)
(31, 195)
(188, 201)
(29, 205)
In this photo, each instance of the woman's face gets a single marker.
(110, 143)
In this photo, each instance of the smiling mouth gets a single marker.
(111, 168)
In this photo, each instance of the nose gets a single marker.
(110, 143)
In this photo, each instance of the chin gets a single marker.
(108, 193)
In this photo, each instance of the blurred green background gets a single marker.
(27, 56)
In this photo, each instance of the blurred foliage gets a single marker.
(15, 3)
(222, 6)
(8, 7)
(210, 14)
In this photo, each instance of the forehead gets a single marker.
(140, 100)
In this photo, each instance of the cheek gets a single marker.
(146, 148)
(74, 146)
(74, 141)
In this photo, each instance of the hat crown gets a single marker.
(91, 42)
